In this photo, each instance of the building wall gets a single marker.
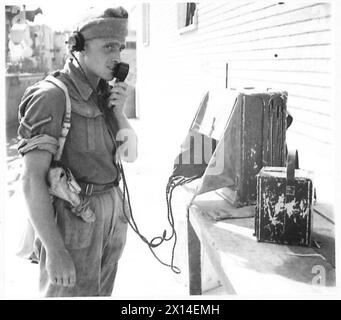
(45, 46)
(60, 49)
(263, 44)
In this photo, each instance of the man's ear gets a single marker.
(86, 47)
(83, 52)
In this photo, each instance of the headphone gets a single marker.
(76, 41)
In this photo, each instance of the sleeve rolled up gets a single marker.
(39, 142)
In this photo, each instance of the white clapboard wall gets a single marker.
(264, 44)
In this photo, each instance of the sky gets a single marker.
(61, 14)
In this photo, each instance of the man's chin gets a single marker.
(108, 77)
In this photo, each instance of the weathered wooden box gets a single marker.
(255, 138)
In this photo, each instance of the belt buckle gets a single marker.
(89, 188)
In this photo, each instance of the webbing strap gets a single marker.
(67, 117)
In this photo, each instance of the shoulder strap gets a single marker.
(67, 117)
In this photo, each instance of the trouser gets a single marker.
(94, 247)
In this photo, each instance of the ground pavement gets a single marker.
(139, 274)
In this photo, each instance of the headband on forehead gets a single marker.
(105, 28)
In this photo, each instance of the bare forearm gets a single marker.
(42, 213)
(125, 134)
(59, 264)
(122, 120)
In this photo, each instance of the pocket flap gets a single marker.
(85, 109)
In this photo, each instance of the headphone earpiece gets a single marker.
(76, 41)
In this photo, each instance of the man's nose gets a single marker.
(116, 57)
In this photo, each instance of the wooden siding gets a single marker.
(266, 45)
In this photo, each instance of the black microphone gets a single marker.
(120, 71)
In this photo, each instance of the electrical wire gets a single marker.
(156, 241)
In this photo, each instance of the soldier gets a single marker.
(79, 257)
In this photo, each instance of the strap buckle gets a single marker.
(290, 190)
(89, 189)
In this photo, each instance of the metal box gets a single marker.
(284, 206)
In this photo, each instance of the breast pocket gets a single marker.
(86, 132)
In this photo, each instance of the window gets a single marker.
(187, 17)
(130, 45)
(145, 23)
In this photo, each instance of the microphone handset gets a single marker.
(120, 71)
